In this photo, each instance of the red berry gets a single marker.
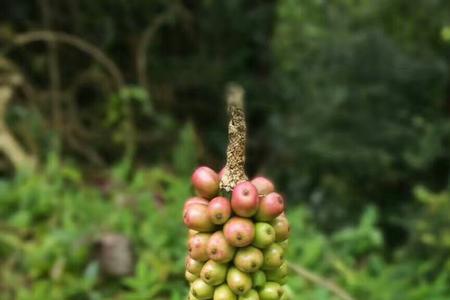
(206, 182)
(219, 210)
(196, 217)
(194, 200)
(197, 246)
(263, 185)
(219, 249)
(239, 232)
(270, 206)
(244, 199)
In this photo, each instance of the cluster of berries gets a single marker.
(236, 246)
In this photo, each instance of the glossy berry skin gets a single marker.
(193, 266)
(196, 218)
(219, 249)
(273, 257)
(250, 295)
(244, 199)
(270, 207)
(205, 182)
(282, 228)
(197, 246)
(194, 200)
(238, 281)
(219, 210)
(202, 290)
(224, 292)
(271, 291)
(258, 279)
(263, 185)
(239, 232)
(214, 273)
(264, 235)
(278, 274)
(190, 277)
(248, 259)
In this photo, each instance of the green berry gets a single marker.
(238, 281)
(278, 273)
(248, 259)
(271, 291)
(214, 273)
(259, 279)
(202, 290)
(190, 277)
(250, 295)
(273, 257)
(264, 235)
(224, 292)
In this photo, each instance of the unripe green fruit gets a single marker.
(219, 210)
(239, 232)
(238, 281)
(263, 185)
(196, 217)
(270, 207)
(224, 292)
(278, 274)
(197, 246)
(202, 290)
(190, 277)
(248, 259)
(214, 273)
(244, 199)
(284, 244)
(259, 279)
(205, 182)
(250, 295)
(193, 266)
(192, 297)
(282, 228)
(264, 235)
(271, 291)
(219, 249)
(273, 257)
(282, 281)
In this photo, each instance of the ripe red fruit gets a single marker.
(197, 246)
(196, 217)
(194, 200)
(282, 228)
(219, 210)
(244, 199)
(239, 232)
(206, 182)
(219, 249)
(263, 185)
(270, 206)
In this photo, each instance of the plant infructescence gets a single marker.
(235, 226)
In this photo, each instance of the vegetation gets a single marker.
(106, 107)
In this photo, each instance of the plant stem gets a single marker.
(237, 137)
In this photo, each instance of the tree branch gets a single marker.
(80, 44)
(325, 283)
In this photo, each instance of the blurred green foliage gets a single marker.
(348, 110)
